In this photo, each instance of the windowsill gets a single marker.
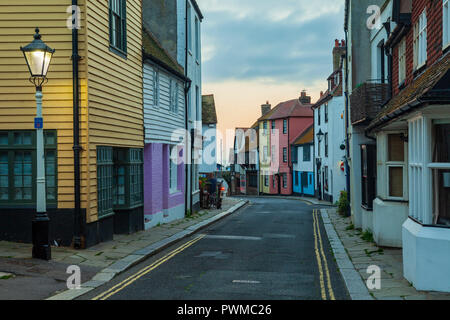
(392, 199)
(106, 215)
(26, 206)
(438, 226)
(173, 192)
(366, 207)
(118, 51)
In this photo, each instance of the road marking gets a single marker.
(246, 281)
(327, 272)
(319, 261)
(125, 283)
(232, 237)
(279, 236)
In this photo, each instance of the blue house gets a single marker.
(302, 162)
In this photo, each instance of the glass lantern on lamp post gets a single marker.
(38, 57)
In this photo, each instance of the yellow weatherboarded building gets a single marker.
(111, 119)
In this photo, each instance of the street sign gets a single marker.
(38, 123)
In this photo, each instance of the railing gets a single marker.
(367, 100)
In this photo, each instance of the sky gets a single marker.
(255, 51)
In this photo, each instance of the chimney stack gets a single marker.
(338, 52)
(304, 99)
(265, 108)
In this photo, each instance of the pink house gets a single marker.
(289, 120)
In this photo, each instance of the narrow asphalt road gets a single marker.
(269, 250)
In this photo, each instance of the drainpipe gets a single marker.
(78, 242)
(314, 150)
(186, 92)
(347, 144)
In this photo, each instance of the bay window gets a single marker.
(396, 166)
(430, 170)
(173, 171)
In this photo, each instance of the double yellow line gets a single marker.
(125, 283)
(322, 260)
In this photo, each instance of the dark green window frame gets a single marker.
(120, 175)
(21, 145)
(118, 27)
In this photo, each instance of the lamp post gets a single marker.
(38, 57)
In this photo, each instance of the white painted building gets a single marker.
(190, 58)
(329, 134)
(209, 130)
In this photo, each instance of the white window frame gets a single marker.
(173, 171)
(266, 180)
(272, 154)
(265, 154)
(396, 164)
(402, 62)
(285, 155)
(445, 24)
(420, 41)
(285, 180)
(189, 27)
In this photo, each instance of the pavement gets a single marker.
(354, 255)
(98, 264)
(271, 249)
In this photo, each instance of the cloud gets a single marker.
(281, 41)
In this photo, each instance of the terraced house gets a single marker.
(92, 111)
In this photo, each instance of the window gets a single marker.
(420, 41)
(266, 180)
(105, 168)
(155, 88)
(118, 25)
(326, 144)
(446, 24)
(265, 127)
(273, 154)
(402, 62)
(296, 177)
(18, 167)
(197, 39)
(265, 154)
(307, 153)
(284, 154)
(189, 27)
(441, 176)
(173, 172)
(326, 112)
(197, 103)
(284, 180)
(318, 116)
(325, 178)
(119, 179)
(174, 96)
(274, 182)
(284, 126)
(273, 126)
(294, 154)
(395, 165)
(253, 180)
(368, 175)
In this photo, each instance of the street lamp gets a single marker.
(320, 135)
(38, 56)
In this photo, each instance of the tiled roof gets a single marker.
(306, 136)
(209, 115)
(427, 85)
(324, 98)
(291, 108)
(267, 115)
(154, 49)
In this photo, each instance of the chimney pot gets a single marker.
(336, 43)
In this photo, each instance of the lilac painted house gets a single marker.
(164, 121)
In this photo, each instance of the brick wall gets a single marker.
(434, 39)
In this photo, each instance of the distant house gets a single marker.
(329, 128)
(209, 131)
(303, 163)
(246, 163)
(164, 121)
(287, 120)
